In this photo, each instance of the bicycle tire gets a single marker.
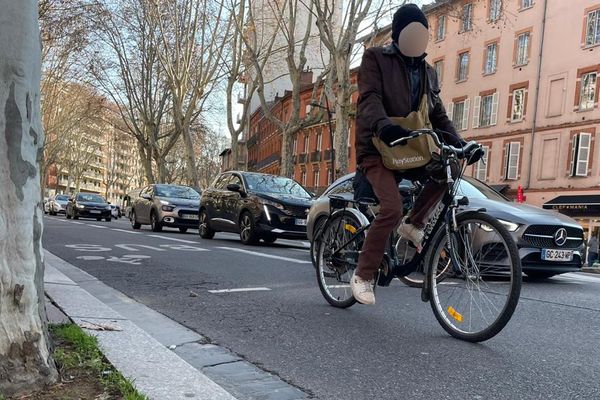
(479, 222)
(338, 229)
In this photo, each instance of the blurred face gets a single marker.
(413, 40)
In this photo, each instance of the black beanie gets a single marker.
(405, 15)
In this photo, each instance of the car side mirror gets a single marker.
(146, 196)
(234, 187)
(71, 199)
(108, 202)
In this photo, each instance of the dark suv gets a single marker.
(257, 206)
(172, 206)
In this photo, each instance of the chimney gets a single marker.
(306, 78)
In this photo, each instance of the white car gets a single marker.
(57, 204)
(115, 211)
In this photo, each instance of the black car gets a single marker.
(257, 206)
(88, 205)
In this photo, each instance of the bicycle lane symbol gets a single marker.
(132, 259)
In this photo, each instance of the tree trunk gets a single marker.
(161, 169)
(25, 360)
(146, 158)
(287, 156)
(190, 157)
(340, 139)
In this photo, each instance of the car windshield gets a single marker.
(90, 198)
(275, 184)
(176, 192)
(62, 198)
(475, 189)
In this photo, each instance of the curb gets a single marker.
(165, 359)
(594, 270)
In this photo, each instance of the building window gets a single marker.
(592, 30)
(306, 141)
(587, 93)
(518, 105)
(460, 114)
(491, 58)
(462, 71)
(526, 4)
(316, 178)
(523, 48)
(511, 160)
(439, 70)
(495, 10)
(303, 178)
(580, 157)
(466, 19)
(481, 168)
(319, 141)
(485, 111)
(295, 150)
(440, 32)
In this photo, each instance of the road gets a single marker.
(394, 350)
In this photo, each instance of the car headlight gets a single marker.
(273, 204)
(108, 208)
(164, 202)
(510, 226)
(167, 208)
(80, 206)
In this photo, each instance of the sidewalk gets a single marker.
(165, 359)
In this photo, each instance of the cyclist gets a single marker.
(395, 81)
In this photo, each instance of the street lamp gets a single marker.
(329, 114)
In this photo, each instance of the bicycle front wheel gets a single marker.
(474, 277)
(337, 257)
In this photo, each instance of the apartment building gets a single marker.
(520, 76)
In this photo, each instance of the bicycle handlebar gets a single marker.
(460, 152)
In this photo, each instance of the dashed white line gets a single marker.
(255, 253)
(580, 277)
(123, 230)
(98, 226)
(255, 289)
(78, 223)
(173, 239)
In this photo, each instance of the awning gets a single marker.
(576, 205)
(499, 188)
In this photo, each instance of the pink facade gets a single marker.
(534, 106)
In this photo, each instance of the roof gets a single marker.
(575, 200)
(438, 3)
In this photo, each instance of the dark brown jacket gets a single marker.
(384, 91)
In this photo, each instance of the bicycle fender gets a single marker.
(359, 216)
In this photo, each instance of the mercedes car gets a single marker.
(257, 206)
(549, 243)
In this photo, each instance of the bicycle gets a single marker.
(471, 265)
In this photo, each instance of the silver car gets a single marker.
(57, 204)
(549, 243)
(170, 206)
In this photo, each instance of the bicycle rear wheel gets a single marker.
(334, 270)
(474, 298)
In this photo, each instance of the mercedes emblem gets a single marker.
(560, 237)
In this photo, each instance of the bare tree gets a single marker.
(25, 360)
(126, 66)
(192, 36)
(283, 30)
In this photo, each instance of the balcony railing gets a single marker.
(315, 156)
(302, 158)
(328, 154)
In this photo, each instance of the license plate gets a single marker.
(95, 212)
(557, 255)
(189, 216)
(300, 222)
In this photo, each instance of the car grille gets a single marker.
(542, 236)
(187, 212)
(297, 211)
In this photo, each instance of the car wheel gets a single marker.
(98, 219)
(108, 219)
(154, 223)
(269, 239)
(540, 275)
(75, 216)
(134, 223)
(204, 229)
(67, 214)
(248, 233)
(183, 230)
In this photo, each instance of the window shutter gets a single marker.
(450, 111)
(495, 100)
(465, 120)
(515, 150)
(574, 141)
(505, 164)
(476, 112)
(583, 154)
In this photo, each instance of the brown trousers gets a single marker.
(390, 212)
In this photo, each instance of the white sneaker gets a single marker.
(362, 289)
(412, 234)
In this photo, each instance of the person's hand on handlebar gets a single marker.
(393, 132)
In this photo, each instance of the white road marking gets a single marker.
(90, 258)
(173, 239)
(123, 230)
(183, 247)
(255, 253)
(132, 247)
(255, 289)
(78, 223)
(98, 226)
(580, 277)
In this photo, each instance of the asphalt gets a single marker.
(394, 350)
